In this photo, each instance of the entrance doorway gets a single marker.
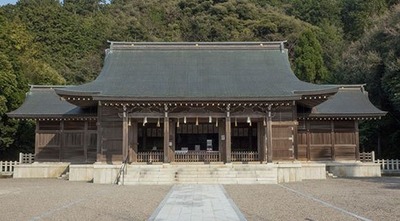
(201, 137)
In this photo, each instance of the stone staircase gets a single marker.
(201, 174)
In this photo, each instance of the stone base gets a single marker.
(81, 172)
(105, 173)
(295, 172)
(354, 169)
(40, 170)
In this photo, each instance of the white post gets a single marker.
(20, 158)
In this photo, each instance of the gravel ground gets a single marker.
(369, 198)
(52, 199)
(332, 199)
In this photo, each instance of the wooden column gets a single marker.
(228, 148)
(333, 141)
(85, 141)
(134, 141)
(262, 149)
(269, 135)
(99, 152)
(172, 133)
(221, 143)
(167, 152)
(37, 140)
(62, 141)
(308, 150)
(125, 141)
(166, 139)
(357, 141)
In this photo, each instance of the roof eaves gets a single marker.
(222, 99)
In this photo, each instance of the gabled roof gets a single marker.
(196, 71)
(349, 101)
(43, 102)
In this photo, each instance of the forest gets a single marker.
(330, 41)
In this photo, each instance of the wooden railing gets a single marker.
(244, 156)
(367, 156)
(197, 156)
(151, 156)
(25, 158)
(391, 165)
(7, 166)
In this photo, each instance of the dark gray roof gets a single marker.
(349, 102)
(196, 71)
(43, 102)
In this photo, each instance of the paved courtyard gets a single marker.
(332, 199)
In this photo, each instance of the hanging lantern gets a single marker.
(158, 122)
(144, 121)
(184, 119)
(209, 119)
(177, 123)
(197, 121)
(264, 122)
(235, 122)
(216, 122)
(249, 120)
(129, 122)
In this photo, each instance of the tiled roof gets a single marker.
(196, 71)
(348, 102)
(43, 102)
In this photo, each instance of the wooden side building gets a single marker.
(197, 102)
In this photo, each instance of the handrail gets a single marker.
(122, 171)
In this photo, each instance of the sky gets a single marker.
(5, 2)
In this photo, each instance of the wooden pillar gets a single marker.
(62, 141)
(37, 140)
(85, 141)
(222, 139)
(357, 141)
(262, 149)
(269, 136)
(172, 133)
(228, 147)
(134, 140)
(167, 152)
(99, 152)
(125, 141)
(333, 141)
(166, 139)
(308, 137)
(295, 131)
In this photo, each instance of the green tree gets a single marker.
(308, 61)
(374, 60)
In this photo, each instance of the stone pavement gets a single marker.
(197, 202)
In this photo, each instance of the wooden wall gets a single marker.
(327, 140)
(110, 147)
(66, 141)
